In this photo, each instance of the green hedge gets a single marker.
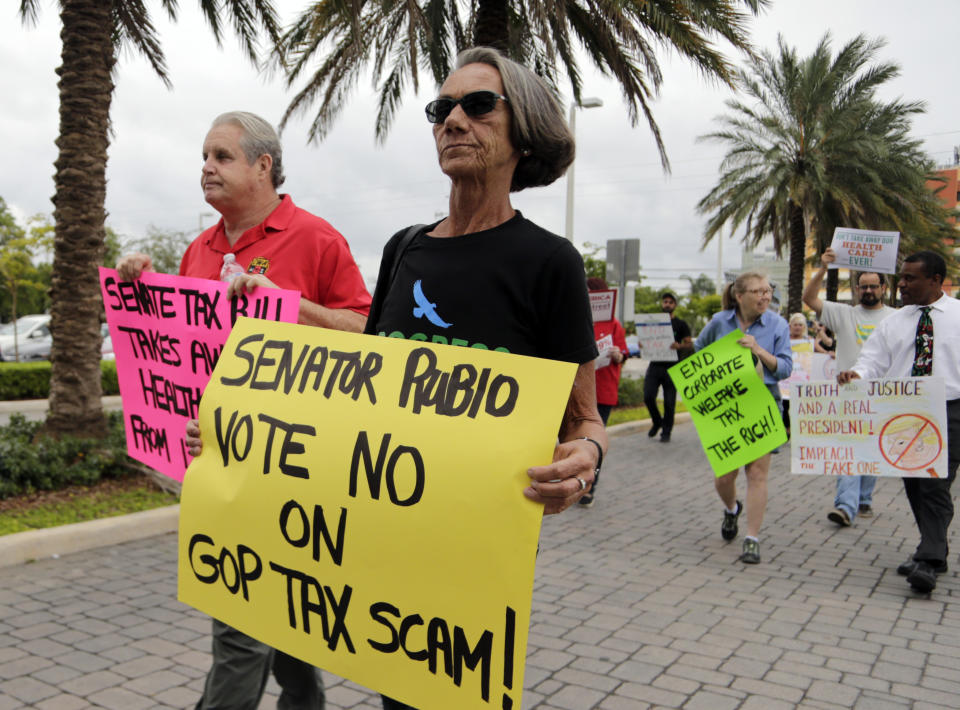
(630, 392)
(31, 380)
(30, 462)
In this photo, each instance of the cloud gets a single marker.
(369, 192)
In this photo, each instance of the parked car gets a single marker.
(106, 350)
(33, 339)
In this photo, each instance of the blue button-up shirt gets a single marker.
(770, 331)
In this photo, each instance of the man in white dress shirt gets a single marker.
(922, 339)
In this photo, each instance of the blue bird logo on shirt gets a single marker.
(426, 309)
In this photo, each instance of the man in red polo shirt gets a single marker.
(278, 245)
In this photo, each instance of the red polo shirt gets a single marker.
(608, 378)
(292, 248)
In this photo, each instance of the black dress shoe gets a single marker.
(923, 579)
(906, 567)
(665, 438)
(654, 430)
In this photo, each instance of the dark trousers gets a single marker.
(930, 498)
(604, 411)
(656, 378)
(241, 667)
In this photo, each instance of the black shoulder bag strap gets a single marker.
(401, 250)
(380, 292)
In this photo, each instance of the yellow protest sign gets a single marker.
(358, 504)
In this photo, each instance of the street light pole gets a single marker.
(572, 122)
(200, 220)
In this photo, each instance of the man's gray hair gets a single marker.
(537, 122)
(258, 139)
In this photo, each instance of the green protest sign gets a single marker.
(735, 415)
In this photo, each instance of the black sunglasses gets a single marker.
(476, 103)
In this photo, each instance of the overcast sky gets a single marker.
(368, 192)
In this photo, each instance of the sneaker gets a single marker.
(664, 438)
(729, 527)
(751, 552)
(923, 579)
(654, 430)
(840, 517)
(908, 566)
(865, 511)
(586, 500)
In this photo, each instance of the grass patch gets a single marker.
(75, 504)
(627, 414)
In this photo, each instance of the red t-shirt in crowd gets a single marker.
(292, 248)
(608, 378)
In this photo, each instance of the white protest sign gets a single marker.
(865, 250)
(822, 367)
(802, 356)
(656, 336)
(890, 427)
(604, 346)
(603, 304)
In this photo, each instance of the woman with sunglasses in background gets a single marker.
(767, 336)
(486, 277)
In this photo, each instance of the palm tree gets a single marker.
(812, 148)
(400, 37)
(93, 32)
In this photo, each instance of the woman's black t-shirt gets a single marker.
(515, 288)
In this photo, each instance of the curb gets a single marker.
(33, 545)
(110, 402)
(642, 425)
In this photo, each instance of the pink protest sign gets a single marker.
(167, 334)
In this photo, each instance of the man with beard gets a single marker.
(657, 376)
(852, 325)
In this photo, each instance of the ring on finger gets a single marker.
(583, 484)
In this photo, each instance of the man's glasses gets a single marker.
(474, 104)
(870, 287)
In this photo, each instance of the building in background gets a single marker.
(949, 193)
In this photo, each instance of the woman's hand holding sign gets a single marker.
(561, 483)
(769, 361)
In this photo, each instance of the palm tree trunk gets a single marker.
(493, 25)
(86, 87)
(798, 252)
(833, 284)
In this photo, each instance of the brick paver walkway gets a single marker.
(638, 604)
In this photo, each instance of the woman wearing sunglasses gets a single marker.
(484, 276)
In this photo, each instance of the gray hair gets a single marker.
(258, 139)
(537, 123)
